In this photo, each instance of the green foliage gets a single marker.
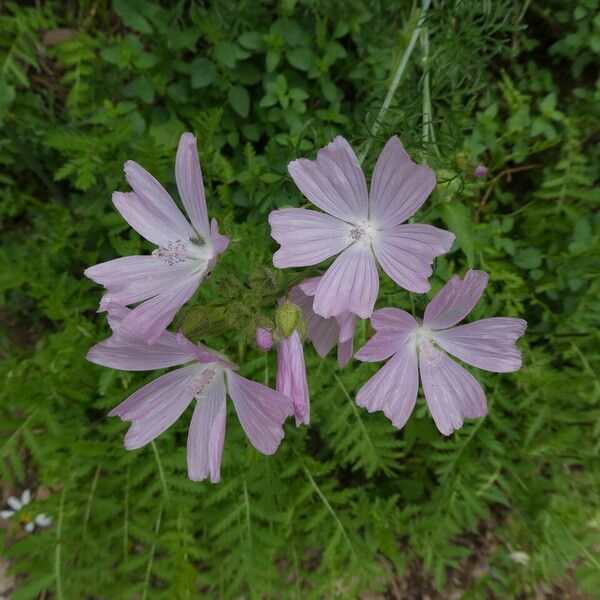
(348, 504)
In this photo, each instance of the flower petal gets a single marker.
(291, 376)
(150, 220)
(406, 253)
(149, 319)
(135, 278)
(43, 520)
(399, 186)
(126, 352)
(207, 434)
(148, 189)
(30, 527)
(25, 497)
(188, 175)
(393, 327)
(334, 181)
(452, 393)
(345, 351)
(455, 300)
(350, 284)
(14, 503)
(307, 237)
(323, 333)
(261, 411)
(393, 389)
(156, 406)
(219, 241)
(6, 514)
(487, 344)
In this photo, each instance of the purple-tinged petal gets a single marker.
(291, 376)
(149, 220)
(334, 181)
(393, 389)
(261, 411)
(347, 323)
(188, 175)
(307, 237)
(149, 319)
(345, 351)
(148, 189)
(156, 406)
(393, 327)
(323, 333)
(264, 339)
(406, 253)
(219, 241)
(350, 284)
(204, 355)
(487, 344)
(127, 352)
(399, 186)
(452, 393)
(455, 300)
(135, 278)
(207, 434)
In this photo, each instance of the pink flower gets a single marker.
(186, 252)
(291, 375)
(363, 228)
(324, 333)
(208, 378)
(480, 171)
(264, 339)
(451, 392)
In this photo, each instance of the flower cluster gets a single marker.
(363, 229)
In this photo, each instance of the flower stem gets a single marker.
(395, 81)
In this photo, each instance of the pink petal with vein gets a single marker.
(399, 186)
(487, 344)
(452, 393)
(406, 253)
(188, 175)
(455, 300)
(334, 181)
(261, 411)
(350, 284)
(393, 389)
(206, 435)
(307, 237)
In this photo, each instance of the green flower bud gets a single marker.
(288, 318)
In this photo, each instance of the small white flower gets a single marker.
(27, 520)
(521, 558)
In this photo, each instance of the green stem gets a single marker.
(331, 511)
(395, 81)
(57, 549)
(161, 471)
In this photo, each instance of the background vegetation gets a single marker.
(506, 508)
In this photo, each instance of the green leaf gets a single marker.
(204, 72)
(239, 100)
(301, 58)
(132, 14)
(459, 220)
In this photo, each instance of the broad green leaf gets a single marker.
(459, 220)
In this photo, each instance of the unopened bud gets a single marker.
(480, 171)
(264, 339)
(288, 317)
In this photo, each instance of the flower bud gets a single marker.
(480, 171)
(264, 339)
(288, 318)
